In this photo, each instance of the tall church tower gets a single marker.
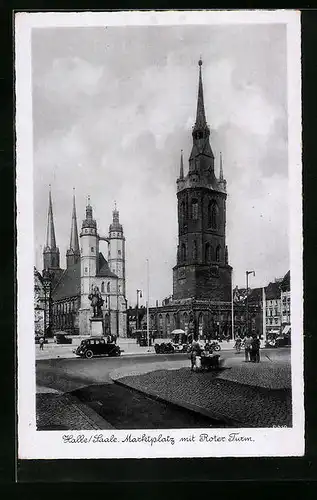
(202, 270)
(73, 253)
(51, 251)
(116, 251)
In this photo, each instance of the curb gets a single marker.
(92, 416)
(189, 407)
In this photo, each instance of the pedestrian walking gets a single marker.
(41, 343)
(247, 347)
(195, 352)
(255, 349)
(238, 344)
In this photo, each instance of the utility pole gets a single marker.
(247, 299)
(147, 304)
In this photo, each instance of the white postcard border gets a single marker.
(34, 444)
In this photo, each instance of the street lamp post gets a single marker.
(138, 294)
(247, 298)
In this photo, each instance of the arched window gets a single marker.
(213, 214)
(108, 287)
(194, 209)
(207, 252)
(182, 211)
(168, 323)
(183, 252)
(185, 320)
(218, 253)
(103, 287)
(195, 250)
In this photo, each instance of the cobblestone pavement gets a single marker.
(232, 394)
(63, 412)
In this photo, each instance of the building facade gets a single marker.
(86, 270)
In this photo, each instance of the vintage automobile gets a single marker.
(61, 338)
(164, 348)
(96, 346)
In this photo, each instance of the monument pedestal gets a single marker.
(96, 326)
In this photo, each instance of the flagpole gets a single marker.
(264, 315)
(147, 305)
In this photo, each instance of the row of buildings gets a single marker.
(274, 298)
(201, 301)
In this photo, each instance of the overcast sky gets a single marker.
(114, 106)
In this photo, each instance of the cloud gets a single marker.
(111, 111)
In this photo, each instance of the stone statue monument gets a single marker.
(96, 301)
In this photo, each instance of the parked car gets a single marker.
(96, 346)
(164, 348)
(60, 338)
(38, 337)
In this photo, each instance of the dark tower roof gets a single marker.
(201, 121)
(51, 251)
(50, 235)
(115, 225)
(73, 253)
(89, 221)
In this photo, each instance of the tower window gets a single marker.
(183, 252)
(86, 270)
(103, 287)
(119, 252)
(208, 252)
(92, 249)
(195, 250)
(218, 253)
(213, 215)
(108, 287)
(194, 209)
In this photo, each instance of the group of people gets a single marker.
(251, 344)
(196, 351)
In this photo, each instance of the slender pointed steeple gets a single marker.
(50, 234)
(201, 145)
(73, 253)
(50, 252)
(201, 121)
(181, 171)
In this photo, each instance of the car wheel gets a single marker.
(89, 354)
(217, 347)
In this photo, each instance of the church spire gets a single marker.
(201, 121)
(50, 252)
(73, 253)
(181, 171)
(50, 234)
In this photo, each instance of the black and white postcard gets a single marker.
(159, 234)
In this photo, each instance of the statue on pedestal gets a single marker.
(96, 301)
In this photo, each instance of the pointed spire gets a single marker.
(200, 113)
(221, 169)
(181, 172)
(74, 242)
(115, 214)
(50, 235)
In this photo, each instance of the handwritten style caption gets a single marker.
(100, 438)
